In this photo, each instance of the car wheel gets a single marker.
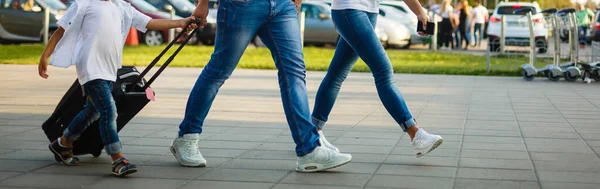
(494, 44)
(542, 45)
(208, 42)
(543, 50)
(564, 36)
(195, 40)
(386, 45)
(153, 38)
(407, 46)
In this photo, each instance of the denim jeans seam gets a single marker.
(102, 106)
(287, 84)
(104, 113)
(345, 13)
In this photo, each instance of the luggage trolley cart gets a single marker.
(592, 70)
(528, 71)
(553, 71)
(571, 70)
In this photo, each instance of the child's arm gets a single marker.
(43, 66)
(161, 24)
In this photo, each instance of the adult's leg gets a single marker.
(463, 36)
(356, 27)
(447, 32)
(237, 23)
(281, 36)
(582, 35)
(343, 60)
(479, 33)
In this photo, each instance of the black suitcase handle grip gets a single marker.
(155, 61)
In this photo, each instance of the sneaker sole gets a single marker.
(181, 162)
(57, 156)
(128, 172)
(324, 168)
(435, 145)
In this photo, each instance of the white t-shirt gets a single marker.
(98, 52)
(371, 6)
(479, 12)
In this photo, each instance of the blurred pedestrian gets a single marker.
(478, 18)
(584, 19)
(446, 27)
(464, 13)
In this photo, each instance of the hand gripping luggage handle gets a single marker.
(155, 61)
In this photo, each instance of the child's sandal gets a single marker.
(121, 167)
(63, 154)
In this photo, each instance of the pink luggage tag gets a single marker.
(149, 94)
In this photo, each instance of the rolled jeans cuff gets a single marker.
(408, 124)
(70, 136)
(317, 122)
(113, 148)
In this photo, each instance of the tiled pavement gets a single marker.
(500, 132)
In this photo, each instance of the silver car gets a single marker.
(18, 24)
(398, 34)
(400, 12)
(318, 26)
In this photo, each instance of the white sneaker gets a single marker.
(423, 143)
(321, 159)
(185, 149)
(326, 143)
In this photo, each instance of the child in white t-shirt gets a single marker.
(92, 35)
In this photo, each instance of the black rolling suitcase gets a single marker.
(129, 93)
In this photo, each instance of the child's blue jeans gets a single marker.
(100, 105)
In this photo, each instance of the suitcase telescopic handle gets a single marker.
(155, 61)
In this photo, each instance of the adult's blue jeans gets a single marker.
(99, 105)
(583, 35)
(276, 23)
(478, 28)
(358, 39)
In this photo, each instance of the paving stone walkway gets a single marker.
(500, 132)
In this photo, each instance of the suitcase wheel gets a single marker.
(97, 154)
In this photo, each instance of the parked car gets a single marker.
(318, 26)
(400, 12)
(595, 32)
(18, 25)
(517, 29)
(183, 8)
(398, 34)
(153, 37)
(379, 30)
